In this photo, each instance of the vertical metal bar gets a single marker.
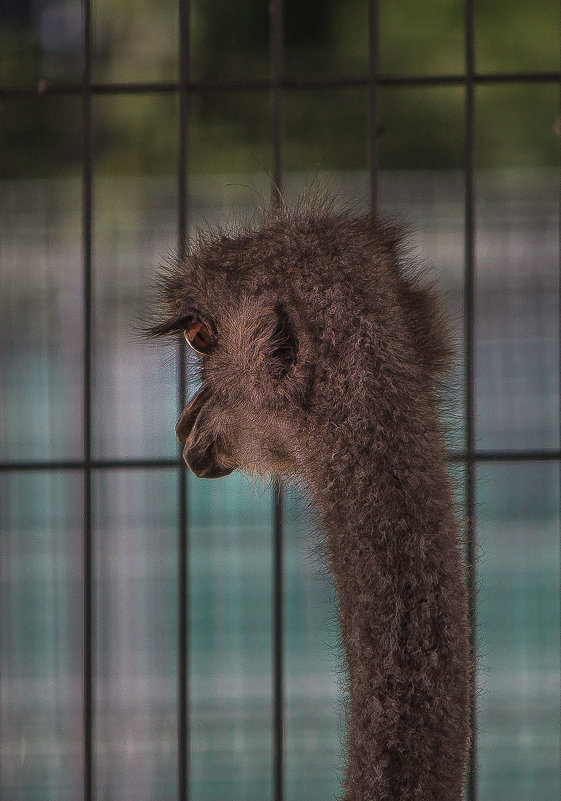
(87, 171)
(183, 555)
(373, 104)
(469, 344)
(277, 74)
(559, 353)
(278, 695)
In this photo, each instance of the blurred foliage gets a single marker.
(517, 35)
(324, 129)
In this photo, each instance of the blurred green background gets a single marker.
(135, 385)
(41, 41)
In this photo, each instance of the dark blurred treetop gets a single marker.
(516, 124)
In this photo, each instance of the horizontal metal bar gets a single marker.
(45, 89)
(99, 464)
(505, 456)
(147, 464)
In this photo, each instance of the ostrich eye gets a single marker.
(200, 336)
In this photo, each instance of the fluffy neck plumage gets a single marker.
(386, 506)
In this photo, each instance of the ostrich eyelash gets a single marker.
(176, 326)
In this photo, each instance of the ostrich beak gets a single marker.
(199, 448)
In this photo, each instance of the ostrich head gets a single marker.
(290, 319)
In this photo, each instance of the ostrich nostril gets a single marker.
(190, 413)
(183, 428)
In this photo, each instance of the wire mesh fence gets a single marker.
(158, 635)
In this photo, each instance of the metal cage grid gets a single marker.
(470, 456)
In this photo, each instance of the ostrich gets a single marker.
(321, 355)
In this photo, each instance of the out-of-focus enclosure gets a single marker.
(160, 633)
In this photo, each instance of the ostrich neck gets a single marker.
(386, 507)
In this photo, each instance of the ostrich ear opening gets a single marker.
(284, 344)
